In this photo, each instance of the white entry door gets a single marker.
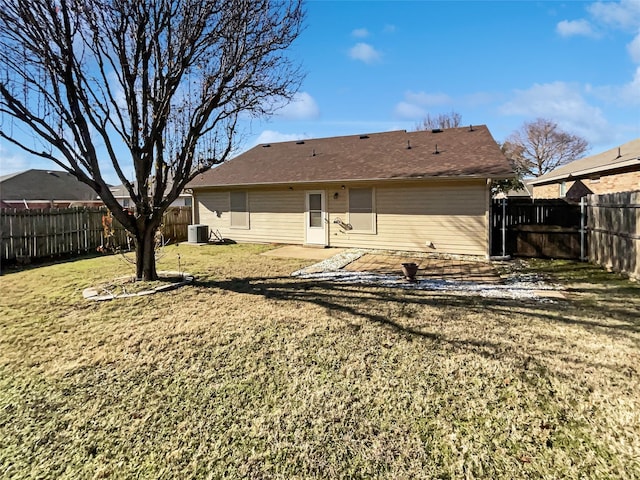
(315, 218)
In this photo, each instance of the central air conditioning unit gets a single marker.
(198, 233)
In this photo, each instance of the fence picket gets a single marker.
(36, 234)
(513, 233)
(614, 231)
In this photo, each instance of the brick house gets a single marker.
(615, 170)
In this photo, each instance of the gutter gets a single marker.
(352, 180)
(579, 173)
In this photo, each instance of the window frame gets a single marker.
(245, 211)
(562, 191)
(374, 217)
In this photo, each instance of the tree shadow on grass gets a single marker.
(369, 302)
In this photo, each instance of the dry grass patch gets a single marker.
(250, 373)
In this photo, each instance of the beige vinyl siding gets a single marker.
(450, 215)
(212, 209)
(275, 216)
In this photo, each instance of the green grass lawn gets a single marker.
(251, 373)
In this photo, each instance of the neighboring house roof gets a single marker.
(525, 192)
(468, 152)
(120, 191)
(44, 185)
(625, 156)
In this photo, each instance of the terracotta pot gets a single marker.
(409, 270)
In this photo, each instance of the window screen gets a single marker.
(239, 210)
(361, 215)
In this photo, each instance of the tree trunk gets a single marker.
(146, 255)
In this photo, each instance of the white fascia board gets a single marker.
(580, 173)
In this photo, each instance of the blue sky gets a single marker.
(375, 66)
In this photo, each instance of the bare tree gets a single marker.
(541, 146)
(442, 120)
(165, 81)
(509, 184)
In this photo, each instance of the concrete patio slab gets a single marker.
(429, 267)
(436, 273)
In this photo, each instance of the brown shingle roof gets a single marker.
(462, 152)
(626, 155)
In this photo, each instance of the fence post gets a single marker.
(583, 218)
(504, 227)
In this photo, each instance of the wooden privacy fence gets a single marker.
(614, 231)
(537, 228)
(28, 235)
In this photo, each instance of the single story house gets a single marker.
(33, 189)
(525, 192)
(414, 191)
(121, 194)
(615, 170)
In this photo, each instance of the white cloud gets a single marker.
(630, 93)
(634, 49)
(360, 33)
(409, 111)
(569, 28)
(624, 14)
(627, 95)
(364, 52)
(428, 99)
(301, 107)
(480, 99)
(389, 28)
(271, 136)
(562, 103)
(11, 162)
(416, 105)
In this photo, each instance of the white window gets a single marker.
(315, 210)
(362, 216)
(239, 209)
(563, 189)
